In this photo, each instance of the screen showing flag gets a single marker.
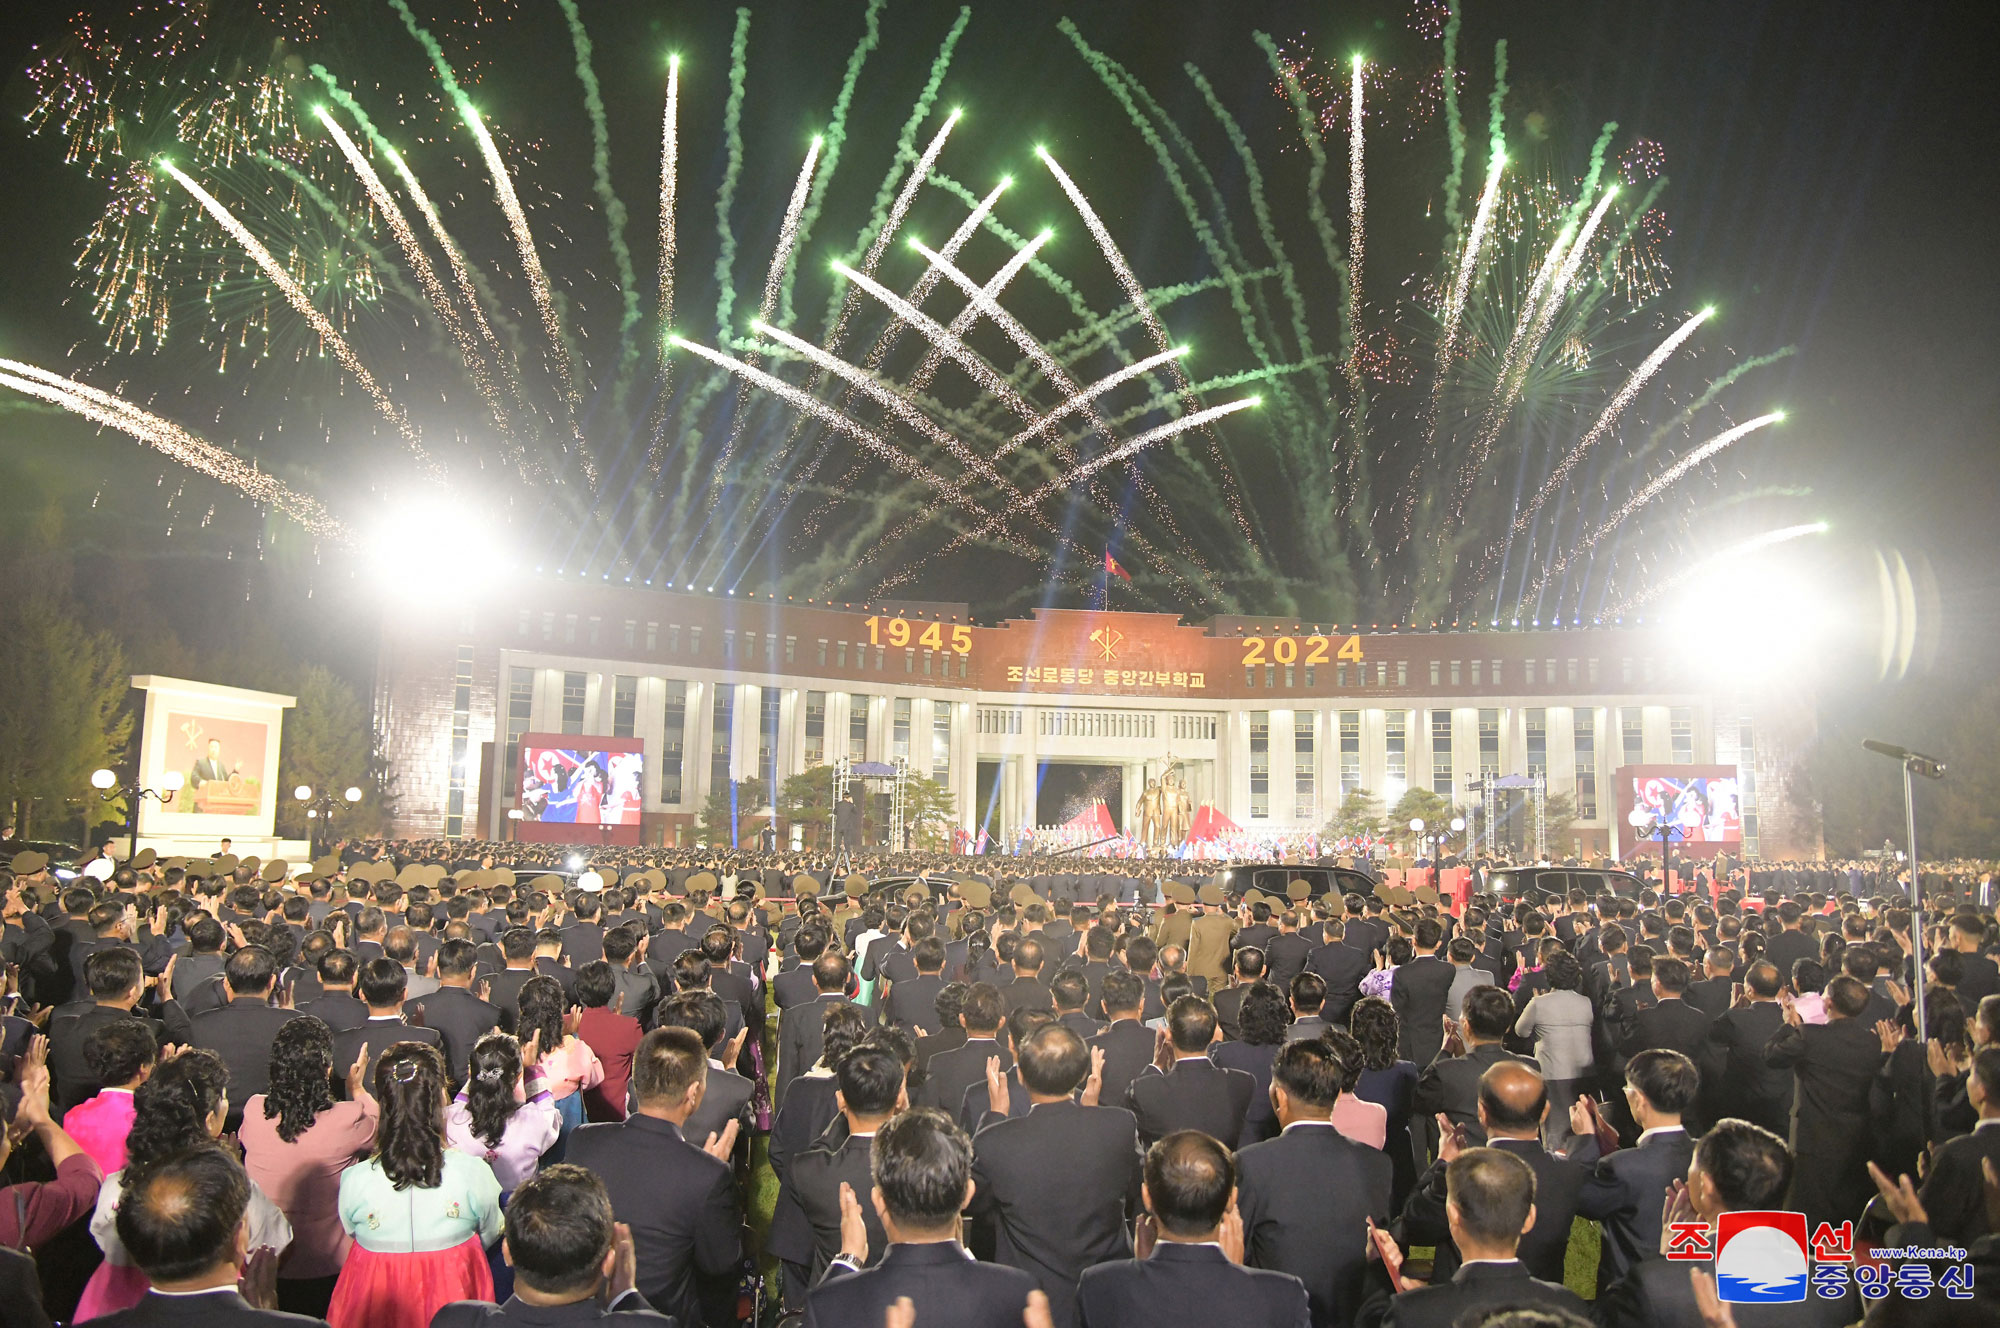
(581, 785)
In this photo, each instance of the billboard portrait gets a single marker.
(575, 789)
(220, 760)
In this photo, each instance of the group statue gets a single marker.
(1166, 812)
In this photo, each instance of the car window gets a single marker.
(1589, 882)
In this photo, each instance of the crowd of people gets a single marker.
(350, 1095)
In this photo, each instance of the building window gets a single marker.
(840, 654)
(1434, 673)
(822, 652)
(1586, 764)
(526, 617)
(593, 629)
(1571, 674)
(1250, 676)
(1270, 676)
(1625, 669)
(881, 652)
(792, 650)
(1381, 672)
(624, 706)
(899, 729)
(632, 632)
(721, 733)
(1441, 752)
(857, 728)
(574, 688)
(1304, 805)
(941, 742)
(1340, 676)
(1682, 719)
(1592, 668)
(729, 643)
(1312, 675)
(768, 701)
(1475, 673)
(910, 661)
(1494, 674)
(1454, 673)
(461, 730)
(1550, 671)
(569, 629)
(927, 663)
(1291, 676)
(1260, 765)
(1350, 751)
(1632, 728)
(520, 710)
(694, 640)
(1395, 753)
(672, 741)
(1538, 742)
(815, 753)
(1528, 672)
(1402, 673)
(548, 627)
(1489, 744)
(961, 666)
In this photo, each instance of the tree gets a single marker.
(727, 815)
(1558, 815)
(1359, 816)
(929, 807)
(1418, 803)
(329, 745)
(806, 800)
(63, 690)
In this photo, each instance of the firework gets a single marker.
(982, 299)
(1357, 232)
(1728, 558)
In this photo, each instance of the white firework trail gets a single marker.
(926, 283)
(461, 275)
(962, 322)
(307, 310)
(834, 419)
(1619, 401)
(420, 263)
(941, 337)
(1357, 233)
(897, 211)
(788, 232)
(1728, 557)
(670, 152)
(1083, 396)
(172, 441)
(1658, 485)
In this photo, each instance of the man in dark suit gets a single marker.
(1712, 994)
(184, 1229)
(950, 1004)
(337, 1006)
(949, 1073)
(1834, 1065)
(1285, 955)
(571, 1265)
(1626, 1190)
(1954, 1193)
(1513, 1104)
(1490, 1202)
(1449, 1085)
(1194, 1271)
(1184, 1089)
(1670, 1022)
(794, 986)
(115, 981)
(912, 1001)
(583, 937)
(1418, 991)
(459, 1017)
(921, 1169)
(1246, 966)
(1737, 1167)
(729, 1095)
(679, 1199)
(1748, 1087)
(1071, 992)
(1341, 963)
(382, 985)
(1054, 1230)
(241, 1031)
(1308, 997)
(1128, 1045)
(1979, 975)
(1027, 988)
(871, 1091)
(1307, 1196)
(1789, 945)
(503, 989)
(801, 1028)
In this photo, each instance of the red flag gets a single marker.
(1111, 566)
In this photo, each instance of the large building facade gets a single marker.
(1270, 721)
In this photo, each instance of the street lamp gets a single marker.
(514, 819)
(1653, 826)
(319, 810)
(107, 786)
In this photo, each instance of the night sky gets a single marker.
(1833, 187)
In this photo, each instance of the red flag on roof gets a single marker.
(1111, 566)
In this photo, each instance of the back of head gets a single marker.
(1670, 975)
(922, 1163)
(1846, 997)
(410, 1086)
(701, 1012)
(119, 1050)
(559, 1228)
(171, 1110)
(383, 983)
(983, 1009)
(668, 1062)
(871, 1081)
(1513, 1096)
(1054, 1060)
(249, 971)
(1190, 1178)
(112, 972)
(1749, 1166)
(830, 972)
(1191, 1024)
(1667, 1079)
(1124, 992)
(1310, 1072)
(1493, 1191)
(842, 1027)
(1308, 993)
(1069, 989)
(180, 1217)
(1489, 1012)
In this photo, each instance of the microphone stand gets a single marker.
(1913, 764)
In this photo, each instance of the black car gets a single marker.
(1275, 878)
(1538, 884)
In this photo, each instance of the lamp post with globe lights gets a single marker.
(107, 786)
(1650, 825)
(1436, 838)
(319, 811)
